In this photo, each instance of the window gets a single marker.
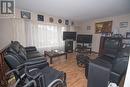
(45, 37)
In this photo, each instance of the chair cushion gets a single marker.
(51, 74)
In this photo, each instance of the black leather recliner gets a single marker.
(117, 56)
(119, 65)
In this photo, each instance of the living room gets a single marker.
(70, 37)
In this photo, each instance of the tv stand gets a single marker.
(69, 46)
(83, 47)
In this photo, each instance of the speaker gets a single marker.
(68, 46)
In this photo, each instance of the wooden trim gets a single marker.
(3, 68)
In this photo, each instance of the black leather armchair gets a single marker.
(118, 70)
(119, 65)
(116, 55)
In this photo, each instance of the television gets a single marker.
(81, 38)
(112, 43)
(69, 35)
(112, 46)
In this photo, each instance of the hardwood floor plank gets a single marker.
(75, 74)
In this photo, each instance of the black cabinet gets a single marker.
(68, 46)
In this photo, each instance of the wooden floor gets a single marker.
(75, 74)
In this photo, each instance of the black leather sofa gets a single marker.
(28, 64)
(28, 52)
(22, 54)
(116, 56)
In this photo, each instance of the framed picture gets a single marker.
(40, 17)
(67, 22)
(123, 24)
(25, 15)
(103, 27)
(59, 21)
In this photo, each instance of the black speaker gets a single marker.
(68, 46)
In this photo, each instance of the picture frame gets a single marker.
(40, 17)
(66, 22)
(59, 21)
(25, 15)
(123, 24)
(103, 27)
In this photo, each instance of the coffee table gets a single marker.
(54, 53)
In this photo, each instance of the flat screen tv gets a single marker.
(81, 38)
(69, 35)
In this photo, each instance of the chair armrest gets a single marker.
(38, 59)
(31, 63)
(36, 69)
(115, 77)
(32, 82)
(56, 81)
(33, 76)
(31, 48)
(12, 71)
(38, 66)
(34, 62)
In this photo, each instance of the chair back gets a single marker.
(12, 60)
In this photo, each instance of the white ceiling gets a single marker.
(79, 10)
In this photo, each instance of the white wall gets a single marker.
(5, 33)
(11, 29)
(14, 29)
(115, 28)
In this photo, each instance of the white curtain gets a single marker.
(44, 36)
(18, 30)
